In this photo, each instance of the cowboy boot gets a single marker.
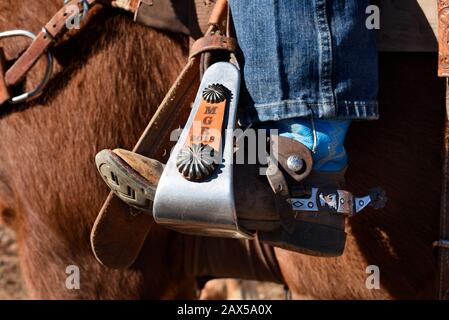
(272, 216)
(279, 219)
(313, 209)
(320, 233)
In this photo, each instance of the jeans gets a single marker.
(306, 58)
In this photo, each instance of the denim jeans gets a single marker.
(306, 58)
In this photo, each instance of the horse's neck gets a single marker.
(102, 98)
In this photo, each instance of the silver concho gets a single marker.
(196, 162)
(295, 163)
(329, 200)
(216, 93)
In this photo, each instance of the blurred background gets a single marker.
(11, 286)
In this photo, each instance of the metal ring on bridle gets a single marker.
(38, 89)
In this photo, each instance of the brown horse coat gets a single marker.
(110, 78)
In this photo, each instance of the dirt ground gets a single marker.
(11, 285)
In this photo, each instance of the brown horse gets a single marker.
(109, 80)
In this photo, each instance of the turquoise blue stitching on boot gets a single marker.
(330, 154)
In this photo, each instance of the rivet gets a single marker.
(295, 163)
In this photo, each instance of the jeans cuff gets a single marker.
(364, 110)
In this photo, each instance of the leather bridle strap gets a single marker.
(55, 28)
(180, 16)
(443, 244)
(44, 40)
(48, 37)
(5, 95)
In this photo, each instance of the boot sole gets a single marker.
(125, 182)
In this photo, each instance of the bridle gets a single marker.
(49, 36)
(41, 43)
(27, 96)
(162, 15)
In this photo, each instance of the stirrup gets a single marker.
(195, 194)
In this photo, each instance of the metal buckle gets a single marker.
(27, 96)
